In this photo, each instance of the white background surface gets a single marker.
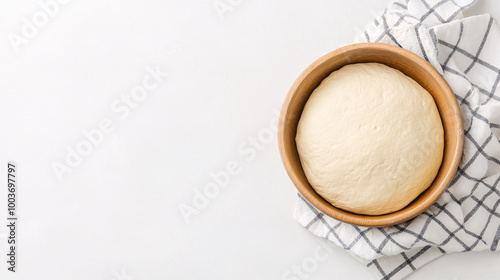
(116, 214)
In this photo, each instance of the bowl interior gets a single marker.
(411, 65)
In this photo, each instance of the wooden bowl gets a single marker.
(411, 65)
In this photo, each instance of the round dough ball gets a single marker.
(370, 139)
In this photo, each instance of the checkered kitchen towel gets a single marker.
(466, 51)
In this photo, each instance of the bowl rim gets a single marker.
(400, 215)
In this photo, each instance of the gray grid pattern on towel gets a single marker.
(467, 217)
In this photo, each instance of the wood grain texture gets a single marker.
(411, 65)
